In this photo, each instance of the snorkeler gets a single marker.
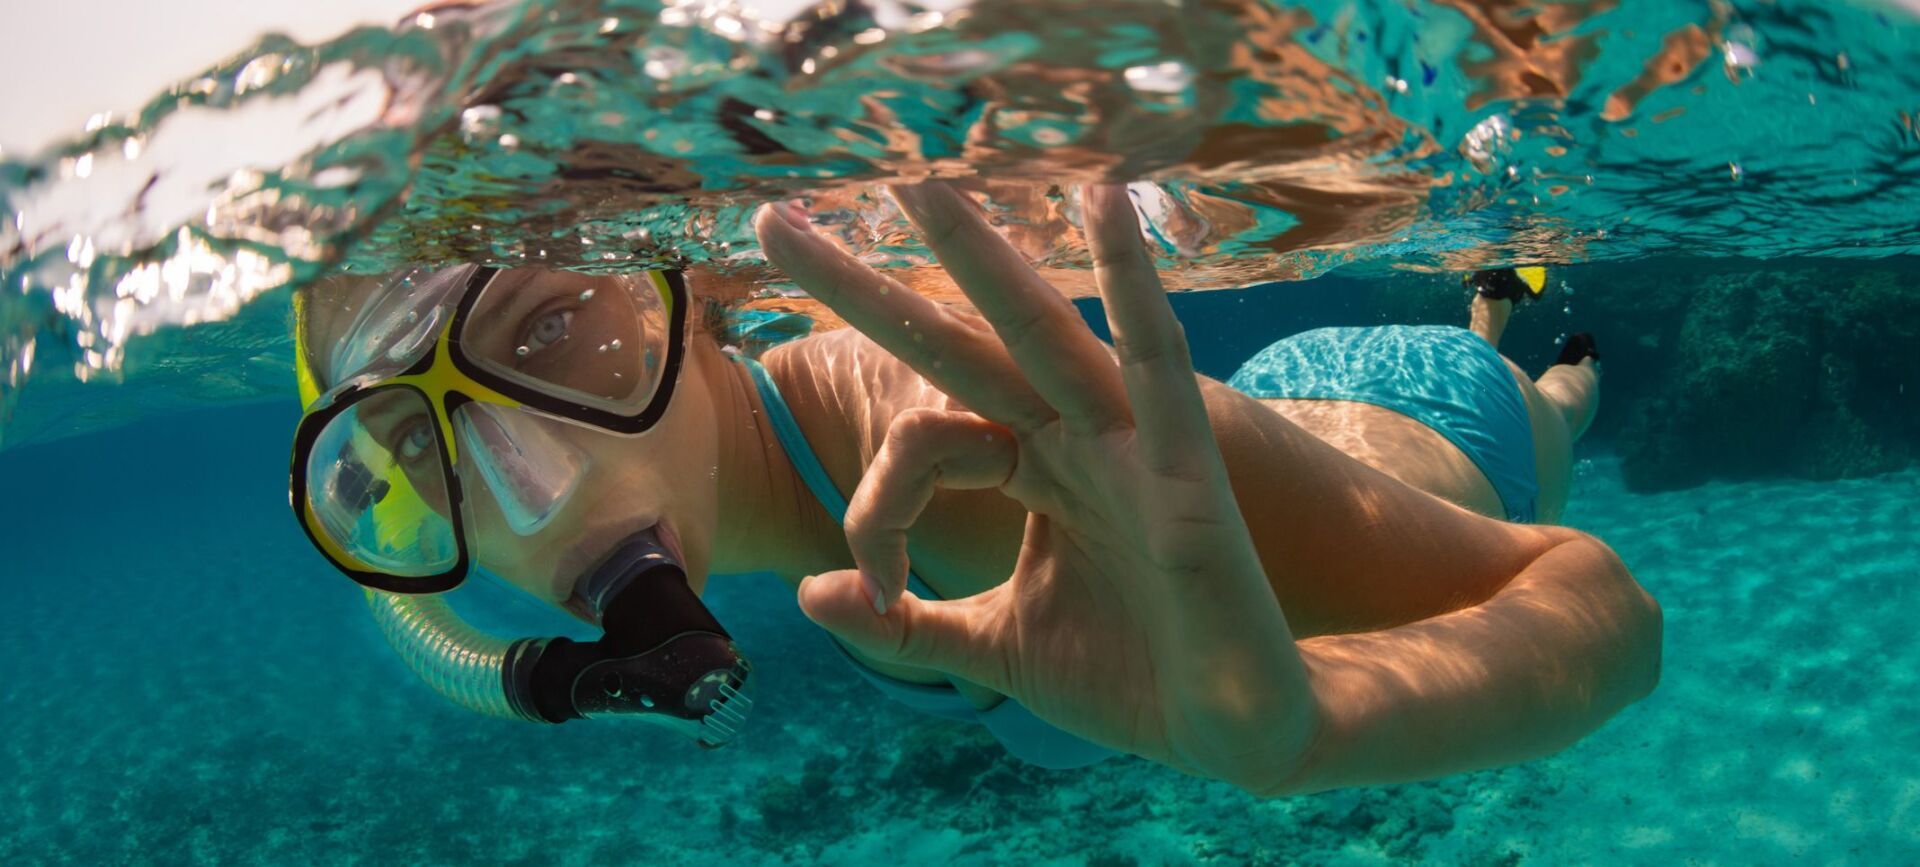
(1088, 550)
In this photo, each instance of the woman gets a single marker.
(1132, 558)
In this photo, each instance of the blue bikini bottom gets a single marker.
(1443, 377)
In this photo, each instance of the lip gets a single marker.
(574, 564)
(670, 541)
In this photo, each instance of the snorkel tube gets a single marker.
(663, 658)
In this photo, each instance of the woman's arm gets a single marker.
(1566, 644)
(1139, 614)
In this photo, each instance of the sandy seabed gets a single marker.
(183, 682)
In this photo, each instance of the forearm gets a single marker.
(1567, 644)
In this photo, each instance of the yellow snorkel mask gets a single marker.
(456, 381)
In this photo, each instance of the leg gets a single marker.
(1490, 318)
(1494, 294)
(1574, 389)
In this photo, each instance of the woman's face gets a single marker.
(580, 332)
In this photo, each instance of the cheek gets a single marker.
(514, 558)
(689, 461)
(669, 473)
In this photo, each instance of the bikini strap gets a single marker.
(794, 443)
(787, 430)
(1024, 735)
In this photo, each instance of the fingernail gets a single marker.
(794, 213)
(908, 195)
(874, 594)
(1108, 196)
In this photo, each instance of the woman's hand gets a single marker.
(1138, 616)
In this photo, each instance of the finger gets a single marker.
(959, 359)
(924, 450)
(1170, 416)
(960, 637)
(1067, 365)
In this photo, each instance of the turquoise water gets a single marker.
(1268, 140)
(186, 682)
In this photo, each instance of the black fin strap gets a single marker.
(1500, 285)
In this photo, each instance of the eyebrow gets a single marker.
(521, 297)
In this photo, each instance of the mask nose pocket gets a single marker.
(377, 490)
(530, 469)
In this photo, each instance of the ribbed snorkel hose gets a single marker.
(472, 669)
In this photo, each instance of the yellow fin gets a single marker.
(1535, 277)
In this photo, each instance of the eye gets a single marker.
(548, 329)
(417, 441)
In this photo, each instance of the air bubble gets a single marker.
(1486, 142)
(1171, 77)
(663, 63)
(586, 295)
(480, 123)
(522, 351)
(1739, 47)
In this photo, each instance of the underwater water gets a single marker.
(186, 682)
(1725, 187)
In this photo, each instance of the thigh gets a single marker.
(1552, 448)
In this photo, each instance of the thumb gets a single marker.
(954, 637)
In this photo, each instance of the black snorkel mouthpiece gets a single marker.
(664, 658)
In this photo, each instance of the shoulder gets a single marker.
(850, 369)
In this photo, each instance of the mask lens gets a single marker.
(397, 324)
(377, 490)
(521, 458)
(596, 341)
